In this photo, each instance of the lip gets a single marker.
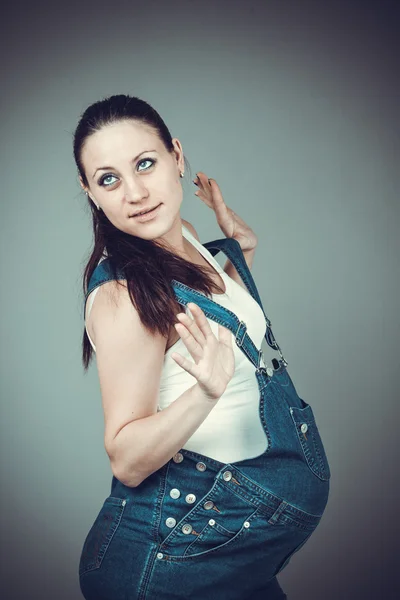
(148, 216)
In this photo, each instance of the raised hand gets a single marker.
(231, 225)
(214, 360)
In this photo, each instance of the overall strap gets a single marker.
(231, 248)
(222, 315)
(100, 275)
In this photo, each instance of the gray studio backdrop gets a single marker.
(290, 106)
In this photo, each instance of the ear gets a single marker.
(81, 183)
(179, 153)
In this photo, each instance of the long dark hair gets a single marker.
(148, 267)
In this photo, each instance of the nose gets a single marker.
(135, 190)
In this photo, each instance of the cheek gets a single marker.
(170, 193)
(175, 179)
(179, 194)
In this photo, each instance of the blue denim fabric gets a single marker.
(201, 529)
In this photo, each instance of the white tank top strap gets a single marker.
(206, 253)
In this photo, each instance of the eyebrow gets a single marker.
(140, 154)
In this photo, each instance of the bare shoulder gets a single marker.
(191, 229)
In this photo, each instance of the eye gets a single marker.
(147, 160)
(107, 175)
(103, 178)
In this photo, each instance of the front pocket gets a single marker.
(310, 440)
(100, 534)
(213, 536)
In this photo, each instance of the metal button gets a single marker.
(304, 427)
(270, 371)
(170, 522)
(209, 504)
(190, 498)
(160, 554)
(246, 524)
(187, 528)
(200, 466)
(178, 457)
(211, 522)
(174, 493)
(227, 475)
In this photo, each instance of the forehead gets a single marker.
(119, 139)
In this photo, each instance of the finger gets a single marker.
(226, 351)
(201, 320)
(201, 178)
(204, 181)
(195, 349)
(186, 364)
(225, 335)
(205, 197)
(192, 326)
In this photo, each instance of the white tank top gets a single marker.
(232, 431)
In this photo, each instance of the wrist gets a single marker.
(248, 250)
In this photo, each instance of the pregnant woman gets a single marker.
(219, 474)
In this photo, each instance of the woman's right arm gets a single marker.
(138, 440)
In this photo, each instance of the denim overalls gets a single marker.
(199, 529)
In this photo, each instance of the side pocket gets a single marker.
(310, 440)
(100, 534)
(282, 378)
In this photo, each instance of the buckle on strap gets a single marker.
(276, 346)
(238, 341)
(260, 355)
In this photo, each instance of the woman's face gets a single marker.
(129, 169)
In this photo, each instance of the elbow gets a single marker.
(124, 468)
(120, 472)
(128, 479)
